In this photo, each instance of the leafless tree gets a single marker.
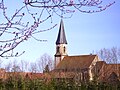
(33, 67)
(15, 66)
(24, 65)
(20, 23)
(8, 66)
(45, 61)
(110, 55)
(1, 62)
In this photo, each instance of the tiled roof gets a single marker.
(107, 70)
(34, 75)
(63, 75)
(61, 39)
(75, 62)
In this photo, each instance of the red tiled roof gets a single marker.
(74, 62)
(63, 75)
(107, 70)
(34, 75)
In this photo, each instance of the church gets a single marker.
(82, 67)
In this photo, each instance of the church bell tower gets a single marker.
(61, 44)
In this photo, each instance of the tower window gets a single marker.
(64, 49)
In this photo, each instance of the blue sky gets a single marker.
(84, 33)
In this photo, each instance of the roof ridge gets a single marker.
(82, 55)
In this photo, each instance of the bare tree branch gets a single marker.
(23, 23)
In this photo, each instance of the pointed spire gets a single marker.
(61, 39)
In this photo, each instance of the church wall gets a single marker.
(92, 69)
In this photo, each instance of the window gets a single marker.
(64, 49)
